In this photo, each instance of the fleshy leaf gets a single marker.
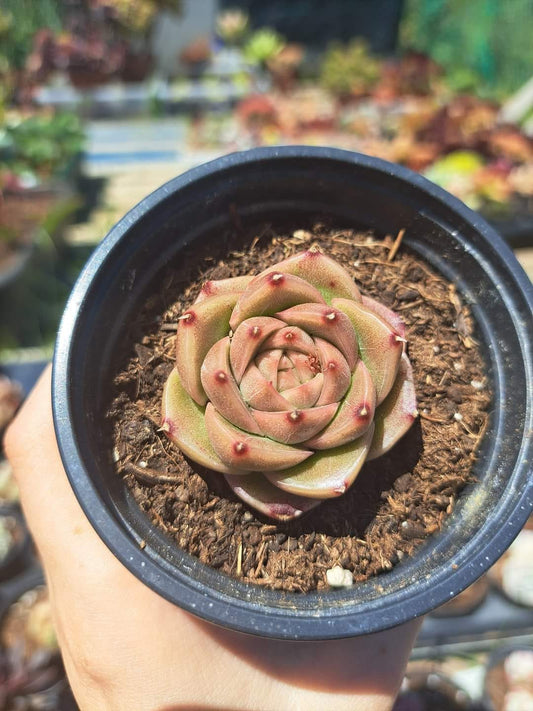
(240, 450)
(327, 474)
(272, 292)
(396, 413)
(380, 347)
(295, 426)
(328, 323)
(247, 340)
(355, 413)
(336, 372)
(233, 285)
(222, 390)
(268, 364)
(287, 379)
(200, 327)
(321, 271)
(306, 394)
(285, 363)
(261, 393)
(184, 424)
(391, 317)
(306, 366)
(291, 338)
(260, 494)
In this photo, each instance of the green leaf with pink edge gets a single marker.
(391, 317)
(396, 413)
(326, 322)
(199, 328)
(354, 416)
(238, 449)
(327, 275)
(294, 426)
(272, 292)
(222, 390)
(233, 285)
(183, 422)
(260, 494)
(326, 474)
(380, 347)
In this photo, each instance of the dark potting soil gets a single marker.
(396, 502)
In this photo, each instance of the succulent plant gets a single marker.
(232, 25)
(349, 70)
(262, 46)
(287, 382)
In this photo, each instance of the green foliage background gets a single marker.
(485, 45)
(27, 17)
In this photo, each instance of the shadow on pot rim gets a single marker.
(356, 190)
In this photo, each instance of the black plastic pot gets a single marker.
(298, 182)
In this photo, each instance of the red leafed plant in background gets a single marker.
(287, 382)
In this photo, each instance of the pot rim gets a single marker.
(243, 614)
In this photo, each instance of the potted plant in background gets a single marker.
(39, 160)
(214, 207)
(350, 72)
(232, 27)
(31, 670)
(135, 20)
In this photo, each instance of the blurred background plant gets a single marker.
(262, 46)
(350, 70)
(40, 146)
(482, 46)
(232, 26)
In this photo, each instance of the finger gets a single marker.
(51, 509)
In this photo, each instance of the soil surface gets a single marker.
(396, 502)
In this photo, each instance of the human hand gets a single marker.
(125, 647)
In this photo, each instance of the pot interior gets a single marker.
(273, 186)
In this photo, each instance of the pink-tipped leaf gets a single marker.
(326, 322)
(272, 292)
(233, 285)
(321, 271)
(396, 413)
(295, 426)
(335, 370)
(222, 390)
(354, 416)
(199, 328)
(260, 494)
(248, 339)
(240, 450)
(183, 422)
(326, 474)
(380, 347)
(291, 338)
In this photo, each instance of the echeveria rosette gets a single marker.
(288, 382)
